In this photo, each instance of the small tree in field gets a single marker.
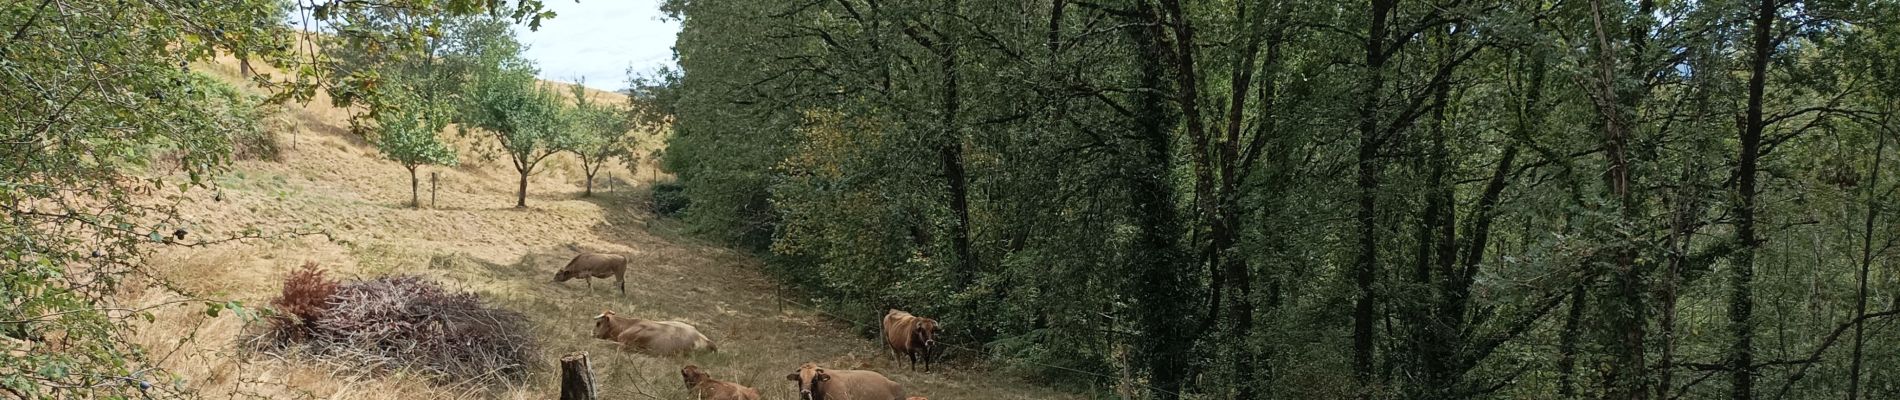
(406, 133)
(524, 118)
(600, 133)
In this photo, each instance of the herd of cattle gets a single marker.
(904, 333)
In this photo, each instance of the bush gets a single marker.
(305, 296)
(406, 323)
(669, 198)
(249, 122)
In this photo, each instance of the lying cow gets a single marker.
(660, 338)
(816, 383)
(595, 265)
(704, 387)
(910, 335)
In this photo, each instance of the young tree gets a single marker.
(406, 132)
(599, 133)
(524, 118)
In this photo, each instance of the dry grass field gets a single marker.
(473, 240)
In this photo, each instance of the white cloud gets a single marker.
(598, 39)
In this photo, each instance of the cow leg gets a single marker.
(621, 277)
(913, 359)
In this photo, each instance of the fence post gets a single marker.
(577, 377)
(432, 189)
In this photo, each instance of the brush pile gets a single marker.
(399, 323)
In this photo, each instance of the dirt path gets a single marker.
(473, 240)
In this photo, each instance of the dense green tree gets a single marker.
(526, 119)
(106, 131)
(600, 133)
(1261, 199)
(407, 132)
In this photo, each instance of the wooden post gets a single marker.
(577, 377)
(431, 189)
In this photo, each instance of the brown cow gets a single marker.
(595, 265)
(816, 383)
(704, 387)
(910, 334)
(660, 338)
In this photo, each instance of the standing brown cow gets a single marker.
(660, 338)
(704, 387)
(595, 265)
(910, 335)
(816, 383)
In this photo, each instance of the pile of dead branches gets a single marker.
(400, 323)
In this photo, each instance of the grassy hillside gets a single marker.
(328, 180)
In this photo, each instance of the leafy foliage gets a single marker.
(406, 132)
(527, 120)
(106, 131)
(1264, 199)
(598, 133)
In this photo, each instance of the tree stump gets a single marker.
(577, 377)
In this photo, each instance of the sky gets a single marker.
(598, 40)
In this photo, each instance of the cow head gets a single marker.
(565, 275)
(926, 333)
(808, 377)
(693, 376)
(603, 325)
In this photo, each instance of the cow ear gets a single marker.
(791, 376)
(822, 376)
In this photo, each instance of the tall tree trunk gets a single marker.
(1224, 244)
(1741, 296)
(1164, 300)
(1866, 263)
(1567, 345)
(951, 150)
(1681, 230)
(1625, 317)
(1365, 263)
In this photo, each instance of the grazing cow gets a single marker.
(595, 265)
(660, 338)
(816, 383)
(910, 335)
(704, 387)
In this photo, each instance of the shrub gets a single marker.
(669, 198)
(406, 323)
(305, 296)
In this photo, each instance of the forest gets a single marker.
(1250, 199)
